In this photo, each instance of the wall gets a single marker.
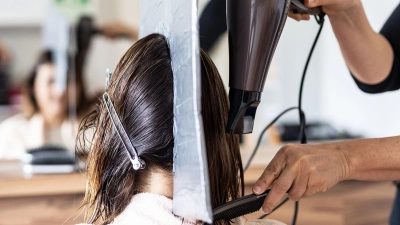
(24, 45)
(343, 104)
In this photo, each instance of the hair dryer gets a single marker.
(254, 29)
(85, 30)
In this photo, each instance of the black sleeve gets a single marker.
(391, 30)
(212, 23)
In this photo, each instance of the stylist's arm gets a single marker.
(368, 54)
(304, 170)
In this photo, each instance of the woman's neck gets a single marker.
(52, 121)
(161, 183)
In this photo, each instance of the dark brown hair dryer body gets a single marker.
(254, 29)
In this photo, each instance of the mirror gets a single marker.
(53, 60)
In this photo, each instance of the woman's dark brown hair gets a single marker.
(141, 89)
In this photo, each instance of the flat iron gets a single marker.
(254, 29)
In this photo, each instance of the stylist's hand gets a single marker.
(301, 171)
(330, 7)
(117, 29)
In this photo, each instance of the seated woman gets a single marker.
(44, 119)
(139, 104)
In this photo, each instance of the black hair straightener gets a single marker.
(239, 207)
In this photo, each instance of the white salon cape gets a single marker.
(154, 209)
(18, 134)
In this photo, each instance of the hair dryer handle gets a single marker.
(298, 7)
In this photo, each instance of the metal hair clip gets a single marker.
(135, 160)
(108, 77)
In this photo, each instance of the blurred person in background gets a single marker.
(45, 118)
(45, 112)
(5, 61)
(5, 56)
(212, 23)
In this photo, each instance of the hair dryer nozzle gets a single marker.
(242, 111)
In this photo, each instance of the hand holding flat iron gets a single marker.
(301, 171)
(304, 170)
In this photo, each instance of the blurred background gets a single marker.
(44, 109)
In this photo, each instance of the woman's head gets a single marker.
(42, 95)
(141, 90)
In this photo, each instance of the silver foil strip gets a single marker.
(177, 20)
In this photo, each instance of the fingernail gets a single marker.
(257, 189)
(311, 2)
(266, 210)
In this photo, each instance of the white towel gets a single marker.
(154, 209)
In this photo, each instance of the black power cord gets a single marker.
(303, 138)
(262, 134)
(302, 116)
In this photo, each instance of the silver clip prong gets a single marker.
(108, 77)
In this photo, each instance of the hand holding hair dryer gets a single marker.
(254, 29)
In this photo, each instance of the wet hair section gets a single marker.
(141, 88)
(142, 92)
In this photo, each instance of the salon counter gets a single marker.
(39, 199)
(14, 183)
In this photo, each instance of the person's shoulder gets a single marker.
(13, 122)
(18, 116)
(15, 118)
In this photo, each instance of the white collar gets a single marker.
(152, 209)
(155, 209)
